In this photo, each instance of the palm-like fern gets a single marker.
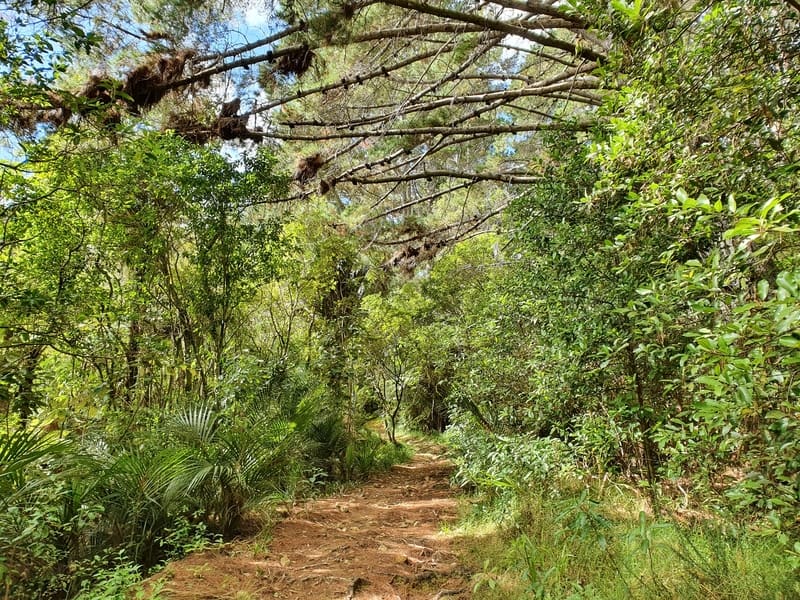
(19, 451)
(233, 458)
(142, 492)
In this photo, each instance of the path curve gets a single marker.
(380, 541)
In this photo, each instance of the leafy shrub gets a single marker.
(349, 456)
(64, 507)
(516, 462)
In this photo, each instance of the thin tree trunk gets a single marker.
(649, 456)
(132, 360)
(26, 400)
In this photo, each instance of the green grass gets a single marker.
(571, 545)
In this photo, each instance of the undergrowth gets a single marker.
(581, 544)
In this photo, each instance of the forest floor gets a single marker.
(380, 541)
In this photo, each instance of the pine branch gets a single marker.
(547, 83)
(419, 95)
(404, 32)
(414, 161)
(587, 83)
(420, 236)
(486, 98)
(474, 223)
(495, 25)
(346, 82)
(453, 75)
(488, 129)
(369, 164)
(423, 200)
(383, 117)
(541, 8)
(578, 96)
(539, 51)
(378, 133)
(515, 178)
(268, 56)
(251, 46)
(480, 220)
(273, 55)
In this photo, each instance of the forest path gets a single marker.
(380, 541)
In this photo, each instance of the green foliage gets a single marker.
(709, 336)
(339, 454)
(494, 462)
(40, 533)
(645, 319)
(143, 502)
(235, 455)
(20, 450)
(34, 53)
(582, 545)
(112, 584)
(146, 255)
(386, 355)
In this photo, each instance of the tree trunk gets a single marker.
(132, 360)
(26, 398)
(649, 455)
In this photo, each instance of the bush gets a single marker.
(516, 462)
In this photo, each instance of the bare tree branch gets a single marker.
(586, 83)
(540, 8)
(253, 45)
(489, 129)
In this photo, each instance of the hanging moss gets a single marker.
(189, 128)
(295, 63)
(307, 167)
(148, 83)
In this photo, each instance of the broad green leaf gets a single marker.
(763, 289)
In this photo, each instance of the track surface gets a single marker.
(381, 541)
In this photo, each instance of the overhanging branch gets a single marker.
(516, 178)
(496, 25)
(478, 129)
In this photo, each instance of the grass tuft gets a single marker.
(574, 545)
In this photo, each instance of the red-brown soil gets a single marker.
(381, 541)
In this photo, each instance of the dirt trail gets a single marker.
(381, 541)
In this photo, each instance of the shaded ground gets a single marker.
(381, 541)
